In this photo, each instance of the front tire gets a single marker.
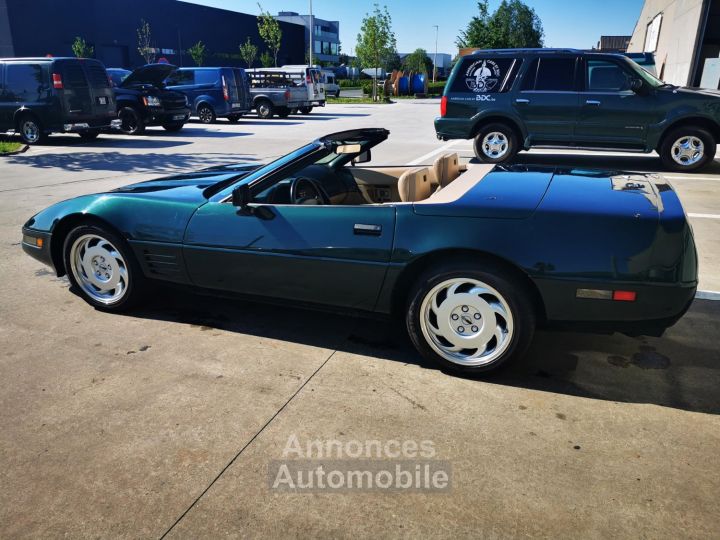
(173, 127)
(131, 122)
(470, 316)
(102, 268)
(495, 143)
(31, 130)
(687, 149)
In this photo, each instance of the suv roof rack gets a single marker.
(530, 50)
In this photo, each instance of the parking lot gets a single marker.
(165, 420)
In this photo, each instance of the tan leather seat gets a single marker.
(415, 185)
(446, 169)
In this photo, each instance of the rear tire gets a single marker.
(495, 143)
(265, 109)
(306, 110)
(283, 112)
(687, 149)
(102, 268)
(89, 134)
(206, 114)
(31, 130)
(131, 122)
(234, 118)
(470, 316)
(174, 127)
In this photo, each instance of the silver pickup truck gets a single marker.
(274, 93)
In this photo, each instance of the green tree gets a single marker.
(81, 49)
(376, 42)
(248, 52)
(145, 48)
(270, 32)
(513, 25)
(418, 62)
(198, 52)
(266, 59)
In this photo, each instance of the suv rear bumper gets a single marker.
(454, 128)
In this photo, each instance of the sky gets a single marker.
(567, 23)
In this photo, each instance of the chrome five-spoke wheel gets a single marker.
(495, 145)
(99, 269)
(467, 322)
(687, 150)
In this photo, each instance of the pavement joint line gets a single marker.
(252, 439)
(427, 156)
(708, 295)
(705, 216)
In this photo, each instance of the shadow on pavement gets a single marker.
(680, 370)
(125, 162)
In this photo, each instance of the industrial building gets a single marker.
(43, 27)
(684, 36)
(325, 35)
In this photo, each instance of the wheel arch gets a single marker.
(499, 119)
(409, 275)
(691, 121)
(22, 112)
(62, 229)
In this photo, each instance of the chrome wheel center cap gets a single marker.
(465, 320)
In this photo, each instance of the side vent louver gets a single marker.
(161, 264)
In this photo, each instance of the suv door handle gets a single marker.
(522, 101)
(365, 229)
(593, 102)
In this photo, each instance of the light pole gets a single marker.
(312, 36)
(437, 29)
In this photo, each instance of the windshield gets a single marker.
(117, 76)
(648, 77)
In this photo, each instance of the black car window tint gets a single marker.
(74, 76)
(483, 75)
(605, 76)
(556, 75)
(181, 78)
(97, 75)
(530, 76)
(24, 82)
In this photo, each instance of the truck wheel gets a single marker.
(234, 118)
(206, 114)
(470, 316)
(306, 110)
(31, 130)
(283, 112)
(265, 109)
(177, 126)
(89, 134)
(687, 149)
(495, 143)
(131, 123)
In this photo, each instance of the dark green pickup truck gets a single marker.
(515, 99)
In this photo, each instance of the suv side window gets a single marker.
(551, 75)
(606, 76)
(25, 82)
(486, 75)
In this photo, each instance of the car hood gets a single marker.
(694, 91)
(153, 74)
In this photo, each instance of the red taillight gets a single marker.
(226, 94)
(443, 106)
(287, 94)
(57, 81)
(624, 296)
(308, 79)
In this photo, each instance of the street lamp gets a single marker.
(437, 28)
(312, 36)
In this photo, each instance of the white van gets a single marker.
(312, 78)
(331, 86)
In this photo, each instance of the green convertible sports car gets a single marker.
(474, 258)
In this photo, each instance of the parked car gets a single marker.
(309, 78)
(332, 88)
(143, 100)
(274, 93)
(473, 259)
(512, 100)
(39, 96)
(213, 92)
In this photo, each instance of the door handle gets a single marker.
(522, 101)
(593, 102)
(365, 229)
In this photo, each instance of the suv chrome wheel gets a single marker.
(687, 150)
(495, 145)
(99, 269)
(466, 322)
(30, 131)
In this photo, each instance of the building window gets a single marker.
(334, 48)
(326, 47)
(652, 34)
(318, 29)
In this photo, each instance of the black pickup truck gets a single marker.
(143, 100)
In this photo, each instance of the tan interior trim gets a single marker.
(460, 186)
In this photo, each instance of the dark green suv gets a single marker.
(515, 99)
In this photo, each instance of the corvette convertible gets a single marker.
(473, 257)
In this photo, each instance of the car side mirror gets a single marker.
(362, 158)
(637, 86)
(241, 196)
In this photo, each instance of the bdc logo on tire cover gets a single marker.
(482, 76)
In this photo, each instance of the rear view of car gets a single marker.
(55, 95)
(213, 92)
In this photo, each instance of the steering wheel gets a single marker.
(305, 190)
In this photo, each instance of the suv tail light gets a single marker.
(57, 81)
(226, 94)
(443, 106)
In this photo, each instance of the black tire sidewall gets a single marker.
(666, 148)
(509, 134)
(42, 136)
(140, 129)
(209, 118)
(136, 278)
(270, 108)
(174, 127)
(89, 135)
(514, 291)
